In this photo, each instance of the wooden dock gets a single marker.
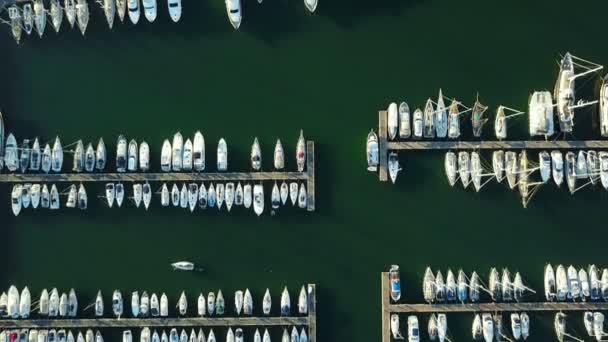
(385, 146)
(307, 176)
(309, 321)
(388, 308)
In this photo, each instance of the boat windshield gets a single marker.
(233, 11)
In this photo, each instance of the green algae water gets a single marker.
(327, 74)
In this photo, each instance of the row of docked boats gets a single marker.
(593, 322)
(435, 121)
(15, 304)
(33, 15)
(28, 195)
(564, 284)
(52, 335)
(236, 335)
(486, 327)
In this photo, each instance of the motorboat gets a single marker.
(451, 167)
(393, 121)
(144, 304)
(476, 328)
(222, 155)
(515, 325)
(72, 197)
(100, 155)
(192, 196)
(164, 306)
(99, 305)
(16, 199)
(127, 336)
(488, 327)
(13, 302)
(70, 11)
(11, 156)
(570, 171)
(464, 168)
(498, 165)
(540, 107)
(559, 325)
(561, 281)
(462, 290)
(405, 130)
(275, 197)
(238, 302)
(595, 285)
(525, 325)
(285, 302)
(183, 196)
(121, 154)
(144, 156)
(574, 285)
(393, 166)
(43, 303)
(233, 8)
(511, 168)
(53, 303)
(120, 194)
(45, 197)
(477, 119)
(178, 147)
(72, 304)
(201, 305)
(418, 123)
(165, 156)
(28, 18)
(89, 158)
(311, 6)
(198, 145)
(211, 196)
(372, 151)
(279, 156)
(187, 156)
(428, 286)
(256, 155)
(202, 196)
(429, 120)
(258, 199)
(78, 164)
(248, 195)
(500, 123)
(506, 286)
(137, 194)
(26, 195)
(35, 195)
(220, 195)
(544, 162)
(583, 279)
(494, 285)
(82, 15)
(395, 283)
(302, 198)
(35, 156)
(266, 303)
(149, 10)
(54, 198)
(210, 303)
(439, 288)
(301, 152)
(450, 286)
(175, 9)
(45, 160)
(146, 195)
(604, 282)
(581, 166)
(133, 156)
(63, 305)
(134, 11)
(293, 192)
(441, 118)
(558, 167)
(135, 303)
(476, 170)
(219, 303)
(24, 160)
(284, 192)
(564, 94)
(302, 301)
(25, 303)
(549, 281)
(395, 330)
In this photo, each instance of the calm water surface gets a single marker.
(328, 74)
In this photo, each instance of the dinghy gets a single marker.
(11, 159)
(266, 303)
(561, 281)
(202, 197)
(439, 287)
(405, 130)
(284, 192)
(132, 156)
(165, 156)
(429, 120)
(16, 22)
(477, 119)
(500, 124)
(110, 194)
(220, 195)
(256, 155)
(211, 196)
(183, 197)
(150, 10)
(89, 158)
(175, 9)
(302, 199)
(35, 156)
(137, 194)
(192, 196)
(54, 198)
(70, 11)
(45, 197)
(144, 156)
(453, 120)
(511, 168)
(392, 121)
(178, 147)
(418, 124)
(198, 146)
(45, 163)
(570, 171)
(24, 159)
(464, 168)
(222, 155)
(581, 166)
(285, 302)
(229, 195)
(120, 194)
(164, 306)
(258, 199)
(121, 154)
(372, 151)
(187, 156)
(248, 195)
(146, 195)
(134, 11)
(28, 18)
(233, 8)
(428, 286)
(35, 195)
(498, 165)
(82, 15)
(301, 152)
(476, 170)
(441, 118)
(564, 94)
(393, 166)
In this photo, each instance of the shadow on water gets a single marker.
(348, 13)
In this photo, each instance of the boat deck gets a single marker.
(170, 322)
(389, 308)
(307, 176)
(385, 146)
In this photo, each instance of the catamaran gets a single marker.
(150, 10)
(82, 15)
(393, 121)
(233, 8)
(429, 120)
(441, 118)
(451, 167)
(418, 124)
(372, 151)
(498, 165)
(464, 168)
(198, 152)
(477, 119)
(175, 9)
(405, 130)
(540, 107)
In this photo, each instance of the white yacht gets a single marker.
(54, 198)
(70, 11)
(109, 9)
(165, 197)
(39, 17)
(279, 156)
(570, 171)
(498, 165)
(393, 121)
(16, 22)
(72, 197)
(303, 301)
(302, 199)
(134, 11)
(149, 10)
(488, 327)
(311, 6)
(178, 147)
(202, 196)
(233, 8)
(500, 123)
(395, 329)
(35, 195)
(147, 195)
(418, 123)
(603, 161)
(511, 168)
(293, 193)
(100, 155)
(429, 120)
(476, 170)
(544, 162)
(604, 107)
(183, 196)
(540, 109)
(11, 155)
(451, 167)
(256, 155)
(175, 9)
(372, 151)
(476, 328)
(211, 196)
(198, 152)
(301, 152)
(187, 156)
(258, 199)
(581, 166)
(121, 154)
(229, 195)
(137, 194)
(165, 156)
(28, 18)
(583, 279)
(120, 194)
(266, 303)
(564, 94)
(89, 158)
(45, 162)
(393, 166)
(133, 156)
(78, 164)
(285, 302)
(16, 199)
(56, 13)
(593, 166)
(405, 130)
(453, 120)
(559, 325)
(561, 282)
(428, 286)
(464, 168)
(558, 167)
(219, 190)
(248, 195)
(222, 155)
(144, 156)
(192, 196)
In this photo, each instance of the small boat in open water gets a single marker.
(183, 266)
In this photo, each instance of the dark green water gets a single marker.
(328, 74)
